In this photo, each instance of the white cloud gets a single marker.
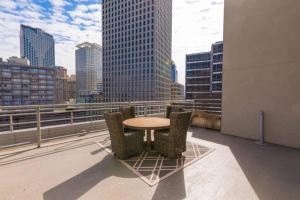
(196, 25)
(9, 4)
(67, 31)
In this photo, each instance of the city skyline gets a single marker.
(196, 25)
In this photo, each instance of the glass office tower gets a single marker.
(137, 50)
(37, 46)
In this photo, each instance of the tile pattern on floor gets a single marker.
(152, 167)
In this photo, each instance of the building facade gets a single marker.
(174, 72)
(60, 85)
(198, 75)
(37, 46)
(71, 87)
(204, 73)
(137, 39)
(88, 68)
(177, 91)
(261, 70)
(23, 84)
(100, 87)
(217, 67)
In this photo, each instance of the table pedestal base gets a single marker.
(148, 142)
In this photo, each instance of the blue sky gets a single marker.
(196, 24)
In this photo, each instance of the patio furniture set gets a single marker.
(127, 132)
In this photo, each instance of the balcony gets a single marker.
(71, 165)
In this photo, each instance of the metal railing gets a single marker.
(36, 117)
(13, 118)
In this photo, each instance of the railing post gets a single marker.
(193, 105)
(38, 125)
(11, 125)
(72, 117)
(145, 109)
(261, 127)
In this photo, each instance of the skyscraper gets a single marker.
(217, 67)
(174, 73)
(204, 73)
(71, 87)
(198, 75)
(60, 85)
(137, 39)
(88, 68)
(37, 46)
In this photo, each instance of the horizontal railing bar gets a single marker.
(87, 104)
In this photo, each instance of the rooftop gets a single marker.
(77, 168)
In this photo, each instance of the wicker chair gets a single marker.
(173, 142)
(124, 144)
(127, 112)
(171, 109)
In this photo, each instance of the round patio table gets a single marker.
(147, 124)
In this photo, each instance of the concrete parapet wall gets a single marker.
(30, 135)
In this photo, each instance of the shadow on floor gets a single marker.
(171, 188)
(78, 185)
(10, 159)
(273, 171)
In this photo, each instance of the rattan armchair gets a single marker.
(124, 144)
(171, 109)
(127, 112)
(172, 143)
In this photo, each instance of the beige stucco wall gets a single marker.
(262, 69)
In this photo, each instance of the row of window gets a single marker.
(198, 81)
(218, 68)
(127, 36)
(218, 58)
(198, 73)
(109, 6)
(199, 65)
(217, 87)
(198, 57)
(127, 20)
(217, 48)
(198, 88)
(217, 77)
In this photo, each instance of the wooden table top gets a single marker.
(147, 123)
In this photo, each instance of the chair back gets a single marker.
(115, 128)
(127, 112)
(171, 109)
(179, 124)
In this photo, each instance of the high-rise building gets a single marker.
(71, 87)
(204, 73)
(23, 84)
(177, 91)
(174, 72)
(60, 85)
(198, 75)
(37, 46)
(100, 87)
(137, 39)
(217, 67)
(88, 68)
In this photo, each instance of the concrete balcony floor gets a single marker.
(77, 168)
